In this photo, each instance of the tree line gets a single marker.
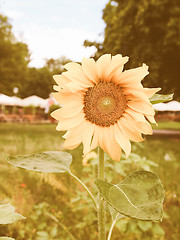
(14, 69)
(148, 32)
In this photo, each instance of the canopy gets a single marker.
(34, 101)
(6, 100)
(170, 106)
(173, 106)
(160, 107)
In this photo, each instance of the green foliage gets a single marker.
(69, 202)
(14, 58)
(147, 32)
(38, 82)
(139, 196)
(14, 69)
(55, 66)
(47, 162)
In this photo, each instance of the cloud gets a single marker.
(55, 42)
(14, 14)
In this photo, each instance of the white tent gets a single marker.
(160, 107)
(170, 106)
(5, 100)
(34, 101)
(173, 106)
(17, 101)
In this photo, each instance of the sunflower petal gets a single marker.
(108, 143)
(129, 131)
(132, 76)
(69, 123)
(151, 91)
(141, 106)
(135, 94)
(89, 68)
(67, 111)
(74, 136)
(139, 117)
(122, 140)
(143, 127)
(77, 76)
(116, 65)
(87, 137)
(151, 119)
(66, 97)
(102, 65)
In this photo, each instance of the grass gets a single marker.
(17, 139)
(168, 125)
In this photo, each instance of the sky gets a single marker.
(55, 28)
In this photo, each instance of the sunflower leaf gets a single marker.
(115, 214)
(8, 214)
(159, 98)
(47, 162)
(139, 196)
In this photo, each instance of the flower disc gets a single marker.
(104, 103)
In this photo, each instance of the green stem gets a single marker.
(112, 227)
(101, 207)
(86, 188)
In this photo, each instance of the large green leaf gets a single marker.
(115, 214)
(158, 98)
(48, 162)
(8, 214)
(139, 196)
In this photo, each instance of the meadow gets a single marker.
(55, 205)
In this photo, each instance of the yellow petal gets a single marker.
(122, 140)
(135, 94)
(108, 143)
(129, 131)
(102, 65)
(67, 97)
(61, 80)
(139, 117)
(151, 119)
(132, 76)
(79, 79)
(143, 127)
(141, 106)
(151, 91)
(116, 65)
(76, 74)
(95, 138)
(68, 111)
(74, 136)
(68, 123)
(87, 137)
(89, 68)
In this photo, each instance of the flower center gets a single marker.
(104, 103)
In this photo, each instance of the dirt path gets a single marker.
(166, 132)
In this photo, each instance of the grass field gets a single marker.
(168, 125)
(17, 139)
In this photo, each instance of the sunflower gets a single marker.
(103, 105)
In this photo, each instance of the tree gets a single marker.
(39, 82)
(148, 32)
(14, 58)
(55, 66)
